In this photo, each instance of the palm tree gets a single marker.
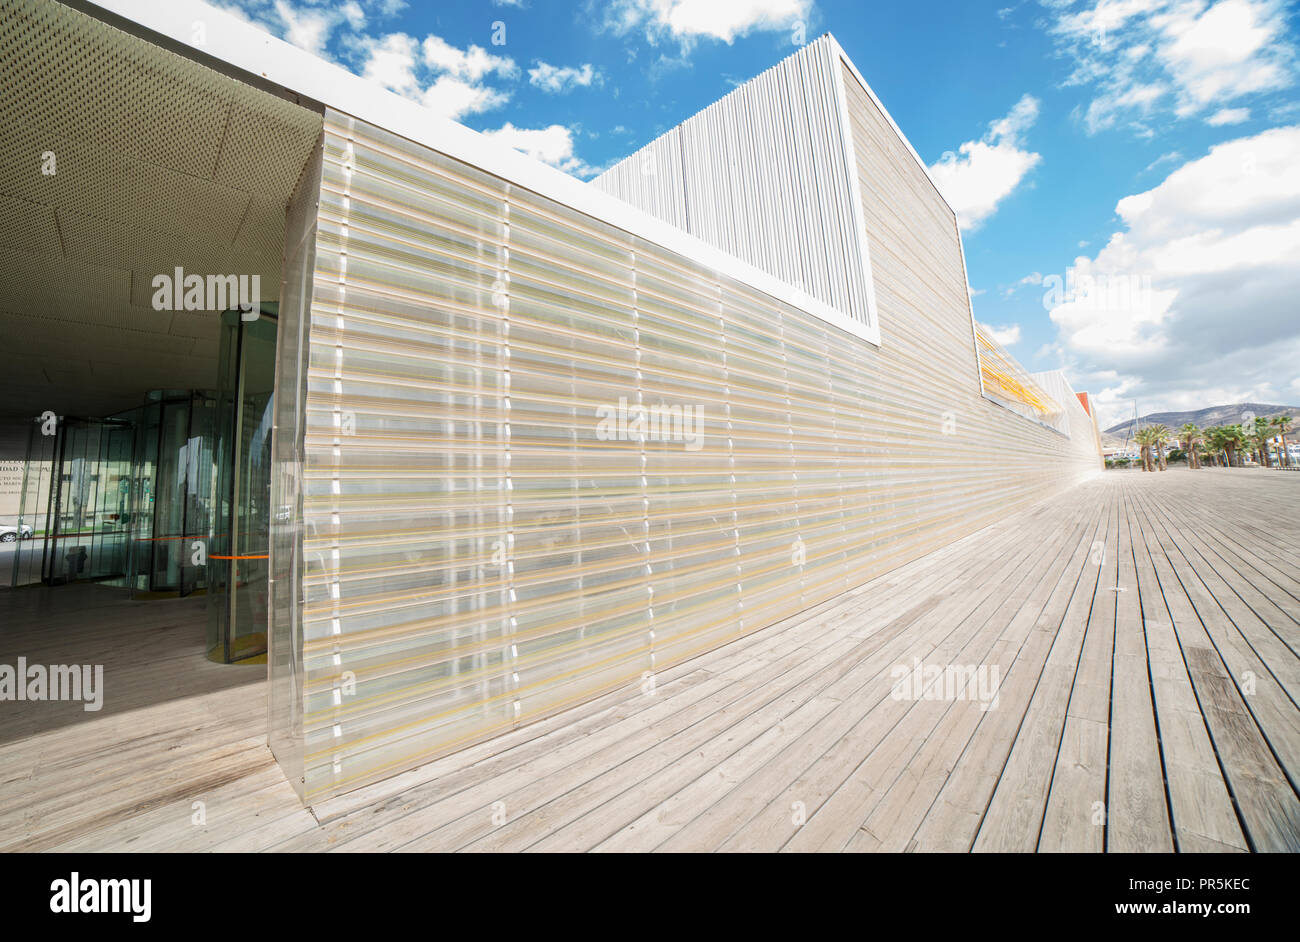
(1222, 442)
(1234, 440)
(1189, 436)
(1147, 438)
(1259, 433)
(1283, 425)
(1162, 434)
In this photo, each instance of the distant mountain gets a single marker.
(1207, 418)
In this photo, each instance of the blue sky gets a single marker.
(1127, 172)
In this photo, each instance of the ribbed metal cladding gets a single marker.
(763, 175)
(484, 544)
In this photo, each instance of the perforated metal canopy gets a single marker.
(119, 161)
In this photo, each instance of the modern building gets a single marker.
(490, 441)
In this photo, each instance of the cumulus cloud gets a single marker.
(454, 97)
(307, 25)
(560, 79)
(442, 77)
(1147, 59)
(1006, 335)
(552, 145)
(985, 172)
(686, 20)
(445, 78)
(1193, 302)
(470, 64)
(391, 61)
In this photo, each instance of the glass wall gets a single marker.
(171, 485)
(33, 444)
(237, 556)
(90, 501)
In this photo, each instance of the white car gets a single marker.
(10, 533)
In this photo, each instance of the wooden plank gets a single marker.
(1094, 684)
(772, 827)
(1075, 817)
(1137, 817)
(887, 770)
(1200, 806)
(1261, 791)
(1015, 811)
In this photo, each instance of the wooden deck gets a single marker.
(1144, 627)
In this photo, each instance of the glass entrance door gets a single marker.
(172, 484)
(237, 561)
(90, 502)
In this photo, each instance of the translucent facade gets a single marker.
(524, 457)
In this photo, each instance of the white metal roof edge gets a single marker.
(851, 161)
(875, 99)
(254, 50)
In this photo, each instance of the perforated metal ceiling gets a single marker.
(159, 162)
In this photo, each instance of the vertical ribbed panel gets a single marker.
(483, 543)
(762, 175)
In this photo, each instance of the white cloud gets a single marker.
(684, 20)
(1228, 116)
(984, 172)
(1154, 58)
(1224, 52)
(552, 145)
(1006, 335)
(1209, 254)
(1169, 158)
(443, 78)
(560, 79)
(306, 26)
(454, 97)
(353, 13)
(391, 62)
(307, 29)
(470, 64)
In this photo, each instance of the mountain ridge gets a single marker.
(1208, 417)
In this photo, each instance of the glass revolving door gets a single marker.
(172, 478)
(90, 497)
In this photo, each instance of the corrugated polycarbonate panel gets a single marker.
(762, 175)
(285, 581)
(1009, 384)
(542, 456)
